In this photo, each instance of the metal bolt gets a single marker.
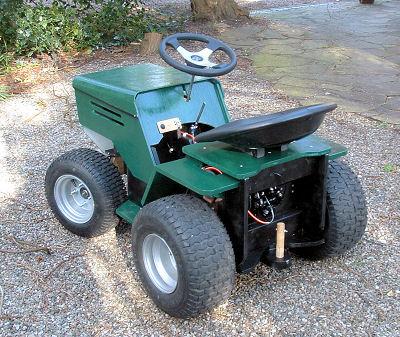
(85, 193)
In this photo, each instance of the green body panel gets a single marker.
(158, 187)
(337, 150)
(186, 172)
(124, 130)
(189, 173)
(165, 103)
(128, 211)
(183, 174)
(119, 86)
(240, 165)
(125, 104)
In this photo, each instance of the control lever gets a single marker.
(194, 126)
(188, 92)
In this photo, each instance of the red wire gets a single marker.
(257, 219)
(213, 169)
(218, 171)
(185, 134)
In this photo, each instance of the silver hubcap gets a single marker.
(160, 263)
(73, 199)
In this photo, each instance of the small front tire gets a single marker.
(83, 189)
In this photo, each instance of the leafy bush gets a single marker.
(118, 22)
(9, 10)
(42, 29)
(29, 27)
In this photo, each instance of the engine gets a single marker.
(263, 203)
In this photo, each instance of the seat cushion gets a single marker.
(270, 130)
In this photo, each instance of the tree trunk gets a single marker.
(150, 43)
(217, 10)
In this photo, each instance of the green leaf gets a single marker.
(389, 168)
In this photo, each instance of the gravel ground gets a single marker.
(88, 287)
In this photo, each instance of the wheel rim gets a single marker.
(160, 263)
(73, 199)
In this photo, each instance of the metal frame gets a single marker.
(252, 240)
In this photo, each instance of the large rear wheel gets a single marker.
(346, 213)
(183, 255)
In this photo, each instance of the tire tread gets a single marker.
(347, 212)
(206, 246)
(106, 177)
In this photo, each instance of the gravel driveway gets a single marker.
(88, 287)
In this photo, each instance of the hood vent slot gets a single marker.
(107, 113)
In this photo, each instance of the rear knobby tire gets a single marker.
(200, 246)
(104, 186)
(346, 213)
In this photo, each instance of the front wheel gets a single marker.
(183, 255)
(83, 189)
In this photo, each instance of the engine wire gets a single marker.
(188, 135)
(218, 171)
(213, 169)
(262, 221)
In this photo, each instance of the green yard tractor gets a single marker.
(207, 197)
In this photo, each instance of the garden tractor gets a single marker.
(207, 197)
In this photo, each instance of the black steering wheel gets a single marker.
(198, 63)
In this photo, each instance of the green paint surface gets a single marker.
(189, 173)
(125, 104)
(241, 165)
(128, 211)
(126, 82)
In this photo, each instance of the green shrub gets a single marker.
(29, 27)
(9, 11)
(42, 29)
(118, 22)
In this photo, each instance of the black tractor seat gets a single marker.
(269, 131)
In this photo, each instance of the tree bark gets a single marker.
(217, 10)
(150, 43)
